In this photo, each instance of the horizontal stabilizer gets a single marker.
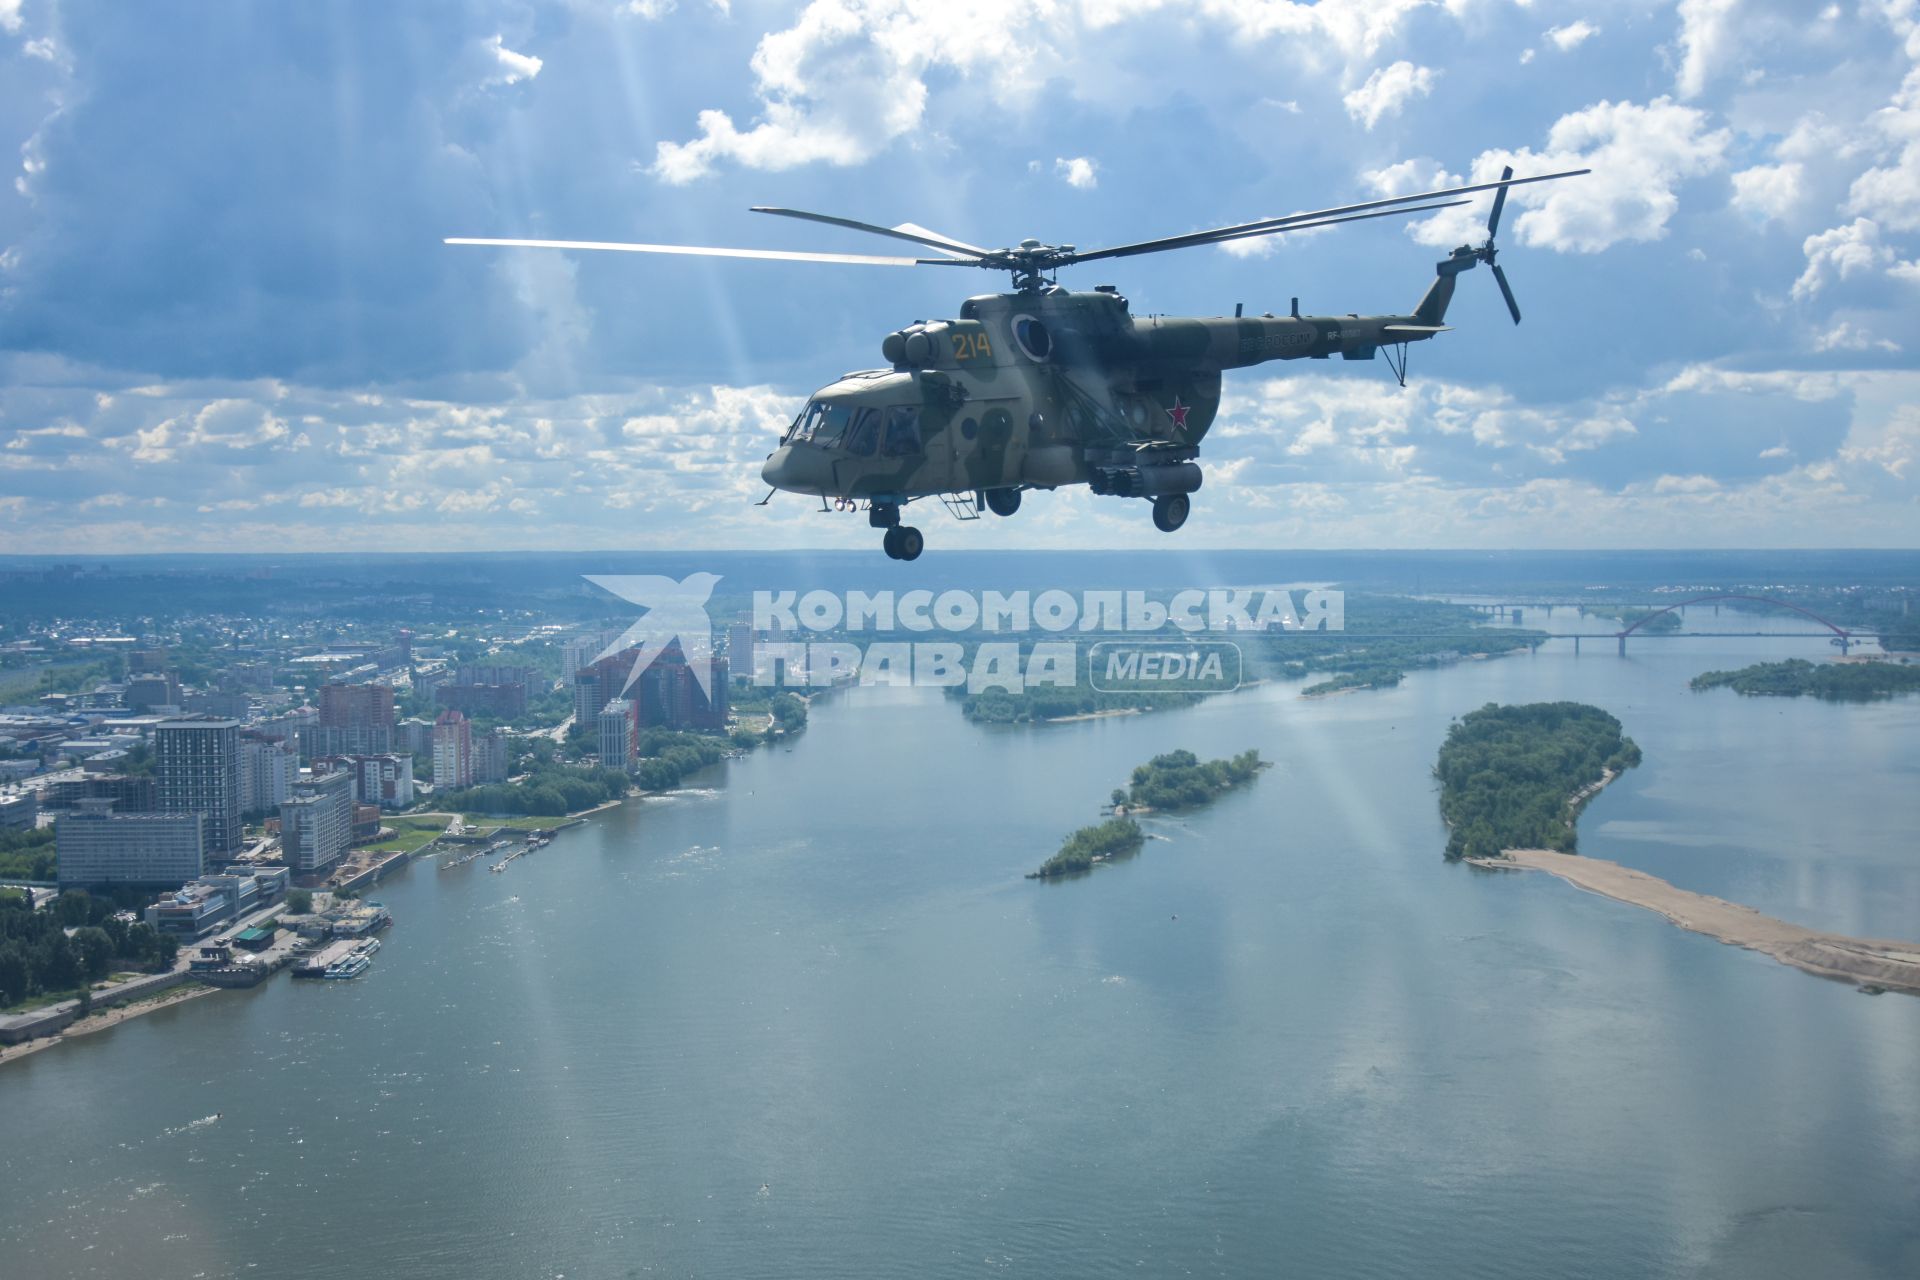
(1416, 328)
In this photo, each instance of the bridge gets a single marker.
(1846, 638)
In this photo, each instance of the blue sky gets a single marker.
(227, 320)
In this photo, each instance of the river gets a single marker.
(806, 1018)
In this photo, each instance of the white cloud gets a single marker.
(509, 67)
(1079, 172)
(1841, 253)
(1708, 40)
(1572, 35)
(1847, 336)
(849, 77)
(1639, 156)
(1685, 484)
(10, 16)
(1769, 191)
(1388, 90)
(1889, 192)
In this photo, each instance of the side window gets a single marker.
(903, 431)
(864, 433)
(833, 425)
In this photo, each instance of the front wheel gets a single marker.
(1170, 511)
(907, 543)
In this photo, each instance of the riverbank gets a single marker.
(1866, 962)
(103, 1019)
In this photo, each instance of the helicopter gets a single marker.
(1043, 387)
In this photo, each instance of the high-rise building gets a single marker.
(141, 661)
(130, 793)
(219, 702)
(598, 683)
(619, 733)
(197, 770)
(671, 697)
(497, 673)
(505, 700)
(574, 655)
(153, 689)
(355, 719)
(97, 846)
(490, 758)
(268, 767)
(667, 693)
(452, 751)
(740, 640)
(316, 822)
(386, 781)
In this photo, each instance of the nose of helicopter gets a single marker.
(797, 469)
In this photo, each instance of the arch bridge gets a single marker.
(1842, 634)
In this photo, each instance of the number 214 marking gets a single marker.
(971, 346)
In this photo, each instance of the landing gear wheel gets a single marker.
(891, 543)
(1170, 511)
(907, 542)
(1003, 502)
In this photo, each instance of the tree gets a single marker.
(14, 974)
(73, 908)
(94, 951)
(299, 901)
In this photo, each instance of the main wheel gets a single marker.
(907, 543)
(1170, 511)
(1003, 502)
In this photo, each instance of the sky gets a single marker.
(228, 322)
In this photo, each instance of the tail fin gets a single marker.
(1433, 307)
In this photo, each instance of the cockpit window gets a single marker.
(833, 425)
(863, 433)
(822, 424)
(803, 425)
(903, 431)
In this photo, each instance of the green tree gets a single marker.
(94, 951)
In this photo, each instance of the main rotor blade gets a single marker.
(1322, 222)
(1499, 203)
(1500, 278)
(905, 231)
(1244, 229)
(696, 251)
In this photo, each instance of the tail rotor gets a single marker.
(1487, 253)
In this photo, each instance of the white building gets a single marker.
(619, 726)
(267, 773)
(97, 846)
(316, 823)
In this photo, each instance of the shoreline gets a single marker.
(1865, 962)
(102, 1020)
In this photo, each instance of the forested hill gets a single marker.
(1509, 774)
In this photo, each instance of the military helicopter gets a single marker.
(1043, 387)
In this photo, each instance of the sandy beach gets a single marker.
(106, 1018)
(1863, 961)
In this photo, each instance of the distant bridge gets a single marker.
(1846, 638)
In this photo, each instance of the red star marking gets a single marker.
(1179, 414)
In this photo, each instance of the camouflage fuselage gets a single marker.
(1043, 389)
